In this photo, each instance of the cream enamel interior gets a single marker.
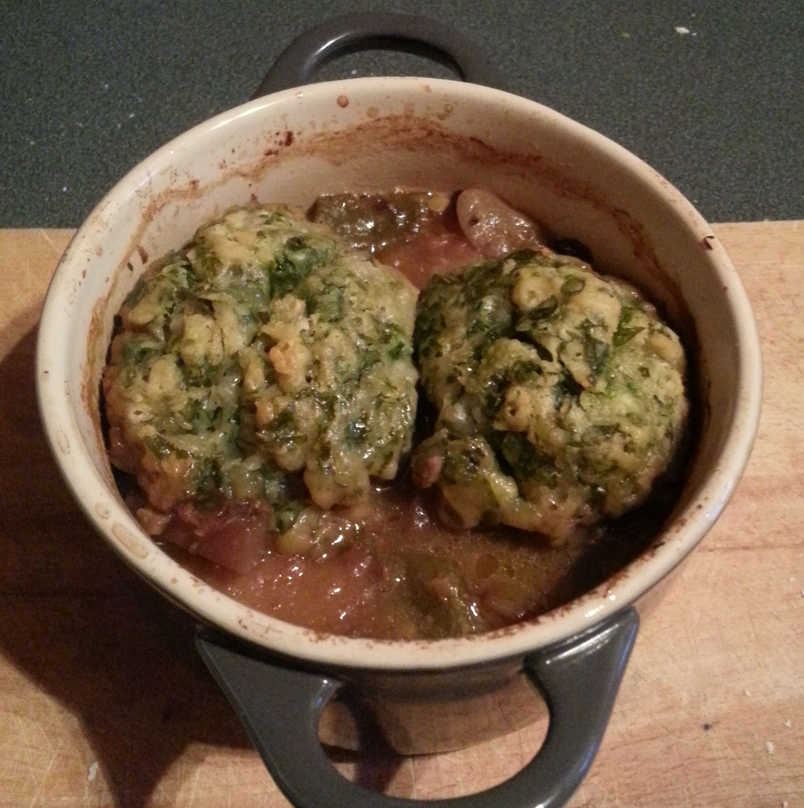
(413, 132)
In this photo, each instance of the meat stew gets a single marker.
(318, 512)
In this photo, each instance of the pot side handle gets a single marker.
(349, 33)
(280, 709)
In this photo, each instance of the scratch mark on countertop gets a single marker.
(46, 238)
(50, 763)
(194, 787)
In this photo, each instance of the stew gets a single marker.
(263, 410)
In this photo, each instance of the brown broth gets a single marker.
(369, 589)
(418, 240)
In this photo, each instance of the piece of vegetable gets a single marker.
(492, 227)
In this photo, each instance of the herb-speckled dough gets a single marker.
(265, 361)
(559, 394)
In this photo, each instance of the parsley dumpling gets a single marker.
(559, 393)
(264, 362)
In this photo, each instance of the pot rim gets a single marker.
(120, 529)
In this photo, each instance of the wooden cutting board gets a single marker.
(103, 701)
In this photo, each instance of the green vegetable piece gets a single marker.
(523, 370)
(623, 335)
(544, 309)
(437, 590)
(572, 285)
(596, 353)
(283, 429)
(356, 430)
(139, 351)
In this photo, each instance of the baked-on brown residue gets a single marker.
(409, 133)
(90, 378)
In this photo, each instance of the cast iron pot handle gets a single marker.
(280, 709)
(297, 64)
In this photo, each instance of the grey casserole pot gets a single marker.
(290, 145)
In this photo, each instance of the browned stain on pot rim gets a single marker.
(96, 351)
(445, 112)
(410, 133)
(131, 542)
(62, 442)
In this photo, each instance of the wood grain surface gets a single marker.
(103, 701)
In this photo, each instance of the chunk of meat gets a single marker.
(436, 251)
(426, 468)
(492, 227)
(235, 535)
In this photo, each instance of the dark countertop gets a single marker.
(710, 93)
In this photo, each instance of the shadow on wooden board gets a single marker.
(85, 630)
